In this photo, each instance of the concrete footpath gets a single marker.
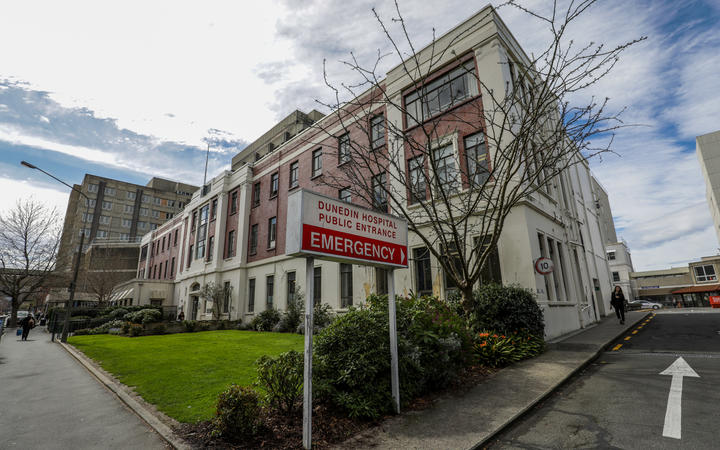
(49, 401)
(472, 419)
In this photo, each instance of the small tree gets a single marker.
(525, 134)
(29, 240)
(219, 295)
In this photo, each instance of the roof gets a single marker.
(693, 289)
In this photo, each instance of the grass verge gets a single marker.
(182, 374)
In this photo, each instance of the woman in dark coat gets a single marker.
(27, 323)
(617, 301)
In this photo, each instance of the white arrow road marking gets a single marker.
(673, 414)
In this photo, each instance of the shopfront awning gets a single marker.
(121, 295)
(697, 289)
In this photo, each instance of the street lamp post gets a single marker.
(76, 269)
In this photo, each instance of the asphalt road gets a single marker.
(620, 401)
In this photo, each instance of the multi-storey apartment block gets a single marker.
(233, 232)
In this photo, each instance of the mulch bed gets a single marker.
(330, 427)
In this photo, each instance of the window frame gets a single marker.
(274, 184)
(252, 248)
(343, 148)
(272, 233)
(316, 163)
(294, 172)
(256, 194)
(377, 131)
(346, 285)
(269, 291)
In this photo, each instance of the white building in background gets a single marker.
(232, 232)
(708, 152)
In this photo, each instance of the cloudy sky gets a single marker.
(136, 89)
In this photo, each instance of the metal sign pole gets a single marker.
(307, 381)
(394, 371)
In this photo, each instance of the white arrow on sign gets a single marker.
(673, 414)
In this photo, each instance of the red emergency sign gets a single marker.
(325, 240)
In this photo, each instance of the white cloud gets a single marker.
(15, 190)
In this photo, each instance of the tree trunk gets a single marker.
(467, 298)
(15, 305)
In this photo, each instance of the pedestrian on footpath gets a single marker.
(27, 323)
(617, 301)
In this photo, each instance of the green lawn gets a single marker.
(182, 374)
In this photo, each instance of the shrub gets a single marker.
(505, 309)
(118, 313)
(497, 350)
(293, 315)
(81, 332)
(144, 316)
(281, 379)
(135, 329)
(189, 325)
(203, 326)
(237, 414)
(159, 329)
(323, 316)
(266, 320)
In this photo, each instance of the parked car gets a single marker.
(642, 304)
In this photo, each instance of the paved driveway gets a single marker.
(49, 401)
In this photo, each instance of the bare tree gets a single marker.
(29, 239)
(219, 295)
(527, 133)
(104, 268)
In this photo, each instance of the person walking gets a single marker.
(27, 323)
(617, 301)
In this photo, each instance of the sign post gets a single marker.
(328, 228)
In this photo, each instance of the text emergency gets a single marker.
(324, 240)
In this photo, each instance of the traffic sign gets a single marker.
(544, 266)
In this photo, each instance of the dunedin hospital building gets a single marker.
(232, 231)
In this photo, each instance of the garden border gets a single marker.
(147, 415)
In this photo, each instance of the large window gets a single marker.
(253, 239)
(211, 247)
(705, 273)
(317, 162)
(293, 175)
(379, 193)
(272, 232)
(381, 281)
(231, 244)
(107, 206)
(251, 295)
(423, 276)
(344, 148)
(269, 291)
(256, 194)
(274, 184)
(441, 94)
(202, 233)
(490, 272)
(213, 210)
(291, 288)
(418, 186)
(476, 155)
(616, 276)
(451, 256)
(611, 255)
(317, 285)
(346, 285)
(233, 202)
(445, 169)
(377, 131)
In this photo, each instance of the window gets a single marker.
(226, 297)
(172, 267)
(291, 288)
(101, 234)
(193, 224)
(231, 244)
(705, 273)
(87, 217)
(269, 288)
(213, 210)
(157, 200)
(233, 202)
(143, 253)
(110, 192)
(153, 226)
(381, 281)
(256, 194)
(163, 244)
(211, 246)
(128, 209)
(346, 285)
(202, 233)
(105, 220)
(146, 199)
(251, 295)
(190, 255)
(175, 238)
(377, 131)
(124, 236)
(169, 215)
(476, 154)
(379, 193)
(144, 212)
(142, 225)
(107, 206)
(253, 239)
(611, 256)
(171, 203)
(344, 148)
(272, 229)
(165, 271)
(155, 214)
(317, 285)
(316, 162)
(446, 172)
(490, 271)
(274, 184)
(451, 256)
(616, 276)
(423, 277)
(441, 94)
(418, 186)
(93, 187)
(344, 195)
(293, 175)
(90, 202)
(85, 230)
